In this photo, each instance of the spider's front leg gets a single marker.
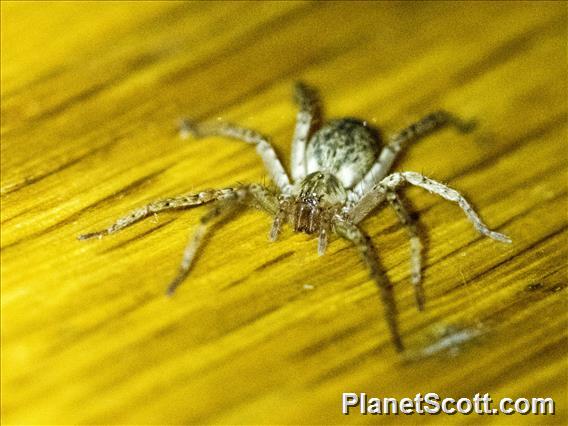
(392, 182)
(253, 195)
(400, 140)
(363, 243)
(261, 142)
(180, 202)
(224, 208)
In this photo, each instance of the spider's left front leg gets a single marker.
(392, 182)
(363, 243)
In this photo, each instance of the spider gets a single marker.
(338, 176)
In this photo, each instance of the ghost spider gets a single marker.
(339, 176)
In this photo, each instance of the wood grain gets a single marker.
(271, 333)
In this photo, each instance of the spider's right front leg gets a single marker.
(264, 199)
(377, 195)
(222, 208)
(180, 202)
(253, 195)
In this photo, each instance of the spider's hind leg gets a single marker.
(308, 117)
(415, 245)
(400, 140)
(180, 202)
(423, 127)
(251, 137)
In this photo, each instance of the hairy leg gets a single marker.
(262, 198)
(263, 146)
(276, 225)
(400, 140)
(322, 240)
(415, 246)
(224, 208)
(377, 195)
(368, 252)
(180, 202)
(308, 116)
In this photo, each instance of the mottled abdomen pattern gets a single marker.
(346, 148)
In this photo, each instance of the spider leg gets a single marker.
(415, 246)
(368, 252)
(322, 240)
(253, 195)
(377, 195)
(262, 143)
(400, 140)
(276, 225)
(224, 208)
(264, 199)
(179, 202)
(308, 116)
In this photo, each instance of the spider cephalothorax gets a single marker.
(339, 176)
(316, 198)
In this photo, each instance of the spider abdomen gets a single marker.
(346, 148)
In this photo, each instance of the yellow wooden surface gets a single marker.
(271, 333)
